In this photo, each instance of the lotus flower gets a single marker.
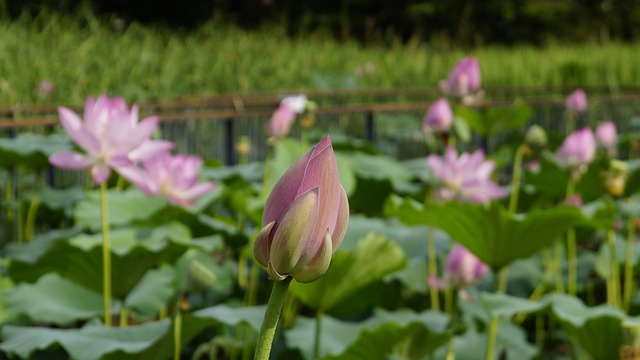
(110, 135)
(173, 176)
(439, 117)
(466, 178)
(606, 136)
(462, 268)
(305, 218)
(578, 150)
(464, 79)
(576, 102)
(282, 119)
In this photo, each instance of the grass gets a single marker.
(85, 56)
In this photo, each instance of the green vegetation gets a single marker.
(87, 56)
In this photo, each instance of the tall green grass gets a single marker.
(83, 56)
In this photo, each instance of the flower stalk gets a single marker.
(106, 254)
(271, 317)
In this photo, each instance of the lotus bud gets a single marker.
(464, 79)
(576, 102)
(462, 268)
(606, 135)
(574, 200)
(305, 218)
(615, 178)
(243, 146)
(577, 151)
(439, 117)
(199, 276)
(536, 137)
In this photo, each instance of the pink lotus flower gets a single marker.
(439, 117)
(461, 269)
(110, 135)
(464, 79)
(305, 218)
(176, 177)
(466, 178)
(576, 102)
(578, 150)
(606, 135)
(283, 118)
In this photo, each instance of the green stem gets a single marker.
(250, 299)
(19, 206)
(106, 255)
(515, 180)
(120, 183)
(572, 254)
(271, 316)
(177, 334)
(30, 222)
(318, 335)
(124, 317)
(615, 269)
(448, 308)
(433, 268)
(494, 322)
(628, 265)
(451, 351)
(557, 267)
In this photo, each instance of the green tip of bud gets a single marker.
(536, 136)
(199, 276)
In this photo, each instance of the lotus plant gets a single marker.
(466, 178)
(606, 137)
(462, 268)
(576, 103)
(304, 221)
(439, 117)
(464, 80)
(110, 136)
(577, 151)
(175, 176)
(282, 119)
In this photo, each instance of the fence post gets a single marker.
(229, 140)
(370, 127)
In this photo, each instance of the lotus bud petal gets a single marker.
(306, 208)
(464, 79)
(578, 150)
(576, 102)
(439, 117)
(606, 136)
(318, 265)
(463, 268)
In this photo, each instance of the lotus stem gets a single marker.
(572, 265)
(177, 334)
(615, 269)
(449, 309)
(124, 317)
(271, 316)
(318, 335)
(628, 265)
(515, 180)
(494, 322)
(106, 255)
(32, 212)
(557, 267)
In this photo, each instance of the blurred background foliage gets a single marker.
(460, 22)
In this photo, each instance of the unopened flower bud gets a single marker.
(438, 118)
(463, 268)
(305, 218)
(576, 102)
(607, 135)
(243, 146)
(536, 137)
(615, 178)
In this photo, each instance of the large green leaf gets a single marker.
(146, 341)
(32, 150)
(152, 292)
(373, 338)
(507, 306)
(496, 119)
(53, 299)
(125, 207)
(373, 258)
(598, 330)
(489, 232)
(134, 251)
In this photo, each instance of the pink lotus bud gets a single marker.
(45, 89)
(281, 121)
(439, 117)
(305, 218)
(575, 200)
(606, 135)
(462, 268)
(576, 102)
(464, 79)
(578, 149)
